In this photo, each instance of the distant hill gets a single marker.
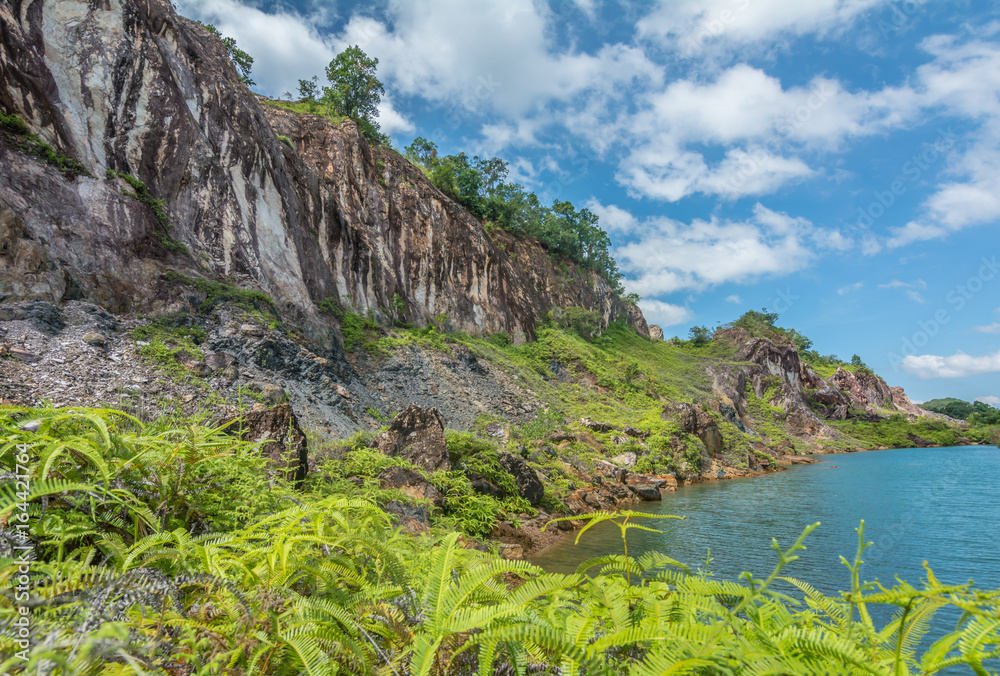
(963, 410)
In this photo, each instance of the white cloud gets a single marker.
(897, 284)
(487, 55)
(614, 219)
(844, 290)
(692, 26)
(958, 365)
(664, 314)
(989, 328)
(286, 46)
(915, 296)
(991, 400)
(760, 127)
(390, 120)
(674, 256)
(963, 80)
(733, 299)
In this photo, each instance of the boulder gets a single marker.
(217, 361)
(528, 484)
(94, 339)
(412, 518)
(410, 484)
(596, 426)
(647, 492)
(634, 432)
(277, 428)
(417, 434)
(655, 332)
(625, 459)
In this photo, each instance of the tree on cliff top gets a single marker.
(355, 90)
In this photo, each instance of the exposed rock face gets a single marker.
(284, 443)
(417, 434)
(903, 403)
(528, 484)
(655, 332)
(134, 88)
(864, 387)
(776, 373)
(693, 420)
(832, 403)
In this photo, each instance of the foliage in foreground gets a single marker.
(167, 550)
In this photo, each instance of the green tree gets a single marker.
(354, 89)
(699, 335)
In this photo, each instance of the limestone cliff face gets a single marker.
(134, 88)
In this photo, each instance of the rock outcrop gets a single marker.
(133, 88)
(277, 430)
(528, 484)
(417, 434)
(692, 420)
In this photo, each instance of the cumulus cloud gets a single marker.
(664, 314)
(673, 256)
(991, 400)
(962, 80)
(692, 26)
(958, 365)
(286, 46)
(761, 128)
(488, 55)
(988, 328)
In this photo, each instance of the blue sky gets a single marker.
(836, 161)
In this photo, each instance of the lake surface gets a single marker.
(941, 505)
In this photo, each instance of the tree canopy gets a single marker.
(480, 185)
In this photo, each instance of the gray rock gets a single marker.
(648, 492)
(94, 339)
(252, 330)
(218, 360)
(31, 426)
(655, 332)
(625, 459)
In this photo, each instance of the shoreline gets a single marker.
(786, 462)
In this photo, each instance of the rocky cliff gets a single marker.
(175, 165)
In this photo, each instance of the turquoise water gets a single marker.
(941, 505)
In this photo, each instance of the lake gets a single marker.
(935, 504)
